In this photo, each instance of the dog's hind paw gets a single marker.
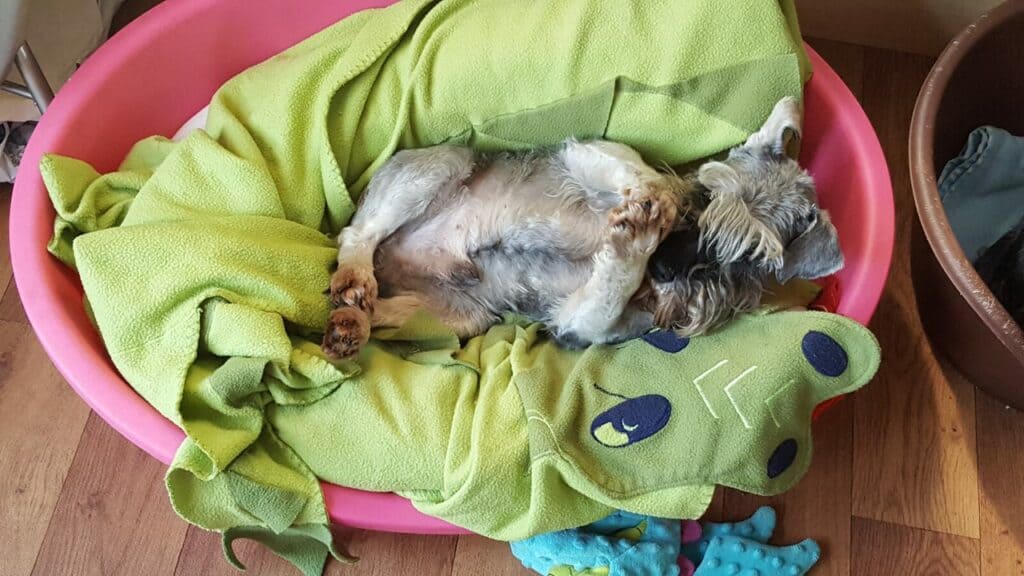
(354, 286)
(348, 330)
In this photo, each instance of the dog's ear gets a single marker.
(727, 224)
(719, 178)
(813, 254)
(781, 131)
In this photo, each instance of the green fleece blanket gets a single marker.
(204, 262)
(514, 435)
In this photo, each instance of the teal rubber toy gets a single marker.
(623, 544)
(758, 528)
(730, 555)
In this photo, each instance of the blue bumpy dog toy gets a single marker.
(757, 528)
(741, 548)
(626, 544)
(621, 544)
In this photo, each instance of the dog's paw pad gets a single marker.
(354, 286)
(348, 330)
(638, 224)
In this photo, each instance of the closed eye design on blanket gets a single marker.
(630, 421)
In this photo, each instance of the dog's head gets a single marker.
(755, 216)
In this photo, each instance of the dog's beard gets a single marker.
(694, 306)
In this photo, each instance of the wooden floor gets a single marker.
(919, 473)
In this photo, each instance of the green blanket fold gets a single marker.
(204, 262)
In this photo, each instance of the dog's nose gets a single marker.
(661, 270)
(677, 253)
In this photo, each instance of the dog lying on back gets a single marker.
(586, 239)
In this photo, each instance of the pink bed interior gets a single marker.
(154, 75)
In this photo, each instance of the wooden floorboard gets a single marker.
(476, 555)
(5, 217)
(916, 474)
(10, 305)
(716, 510)
(914, 446)
(1001, 486)
(113, 516)
(201, 554)
(846, 59)
(41, 423)
(130, 10)
(883, 549)
(380, 555)
(394, 554)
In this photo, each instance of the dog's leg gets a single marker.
(393, 312)
(598, 312)
(464, 317)
(399, 192)
(470, 319)
(607, 171)
(349, 330)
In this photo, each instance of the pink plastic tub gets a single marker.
(155, 74)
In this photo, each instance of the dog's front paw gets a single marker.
(354, 286)
(659, 194)
(348, 330)
(638, 224)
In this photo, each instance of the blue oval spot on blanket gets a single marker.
(824, 354)
(631, 420)
(666, 340)
(782, 458)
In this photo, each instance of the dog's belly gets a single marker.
(519, 247)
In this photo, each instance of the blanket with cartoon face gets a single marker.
(512, 436)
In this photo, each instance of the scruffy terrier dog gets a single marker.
(586, 239)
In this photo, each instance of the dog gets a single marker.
(585, 238)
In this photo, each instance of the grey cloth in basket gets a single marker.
(982, 189)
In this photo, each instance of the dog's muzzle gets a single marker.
(678, 253)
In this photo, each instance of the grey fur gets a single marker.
(564, 237)
(760, 220)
